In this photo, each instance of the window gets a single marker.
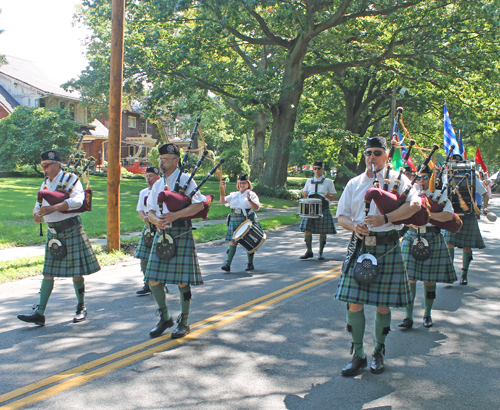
(143, 126)
(132, 122)
(131, 151)
(62, 105)
(149, 127)
(41, 102)
(72, 111)
(89, 114)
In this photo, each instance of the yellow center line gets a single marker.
(199, 329)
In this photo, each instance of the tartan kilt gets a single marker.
(469, 236)
(390, 289)
(183, 268)
(80, 259)
(438, 268)
(237, 220)
(322, 226)
(142, 252)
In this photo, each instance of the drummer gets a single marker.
(243, 203)
(320, 187)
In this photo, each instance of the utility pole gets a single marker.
(115, 126)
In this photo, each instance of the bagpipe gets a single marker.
(177, 199)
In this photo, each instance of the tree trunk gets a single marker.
(261, 122)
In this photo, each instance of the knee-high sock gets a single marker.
(161, 300)
(45, 292)
(382, 329)
(144, 265)
(409, 308)
(231, 250)
(322, 242)
(308, 239)
(250, 257)
(185, 299)
(79, 286)
(452, 253)
(466, 260)
(429, 296)
(356, 327)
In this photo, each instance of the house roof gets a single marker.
(28, 73)
(7, 101)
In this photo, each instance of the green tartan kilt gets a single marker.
(80, 259)
(183, 268)
(142, 252)
(322, 226)
(469, 236)
(438, 268)
(237, 220)
(390, 289)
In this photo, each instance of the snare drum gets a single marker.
(310, 208)
(250, 236)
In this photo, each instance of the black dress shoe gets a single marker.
(35, 318)
(377, 365)
(226, 267)
(406, 323)
(180, 331)
(427, 321)
(307, 255)
(249, 266)
(463, 280)
(354, 366)
(321, 257)
(81, 313)
(161, 327)
(144, 291)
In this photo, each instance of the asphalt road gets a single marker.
(273, 338)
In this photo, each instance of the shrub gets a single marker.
(282, 193)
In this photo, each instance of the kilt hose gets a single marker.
(183, 268)
(322, 226)
(391, 287)
(237, 220)
(469, 236)
(438, 268)
(142, 252)
(80, 259)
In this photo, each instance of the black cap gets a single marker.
(318, 164)
(154, 170)
(408, 168)
(169, 149)
(457, 157)
(425, 169)
(51, 155)
(376, 142)
(243, 177)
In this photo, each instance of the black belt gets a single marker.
(182, 223)
(65, 224)
(381, 240)
(428, 229)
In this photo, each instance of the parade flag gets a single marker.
(479, 160)
(494, 176)
(397, 159)
(463, 153)
(449, 134)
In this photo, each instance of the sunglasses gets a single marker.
(317, 168)
(376, 153)
(424, 177)
(47, 164)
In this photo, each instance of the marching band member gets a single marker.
(438, 267)
(469, 236)
(182, 268)
(65, 232)
(325, 188)
(243, 203)
(390, 288)
(143, 250)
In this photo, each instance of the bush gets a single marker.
(282, 193)
(235, 163)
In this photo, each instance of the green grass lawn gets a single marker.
(18, 197)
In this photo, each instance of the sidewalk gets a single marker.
(37, 250)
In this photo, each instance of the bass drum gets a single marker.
(250, 236)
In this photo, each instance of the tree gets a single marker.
(27, 132)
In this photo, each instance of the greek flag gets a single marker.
(449, 135)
